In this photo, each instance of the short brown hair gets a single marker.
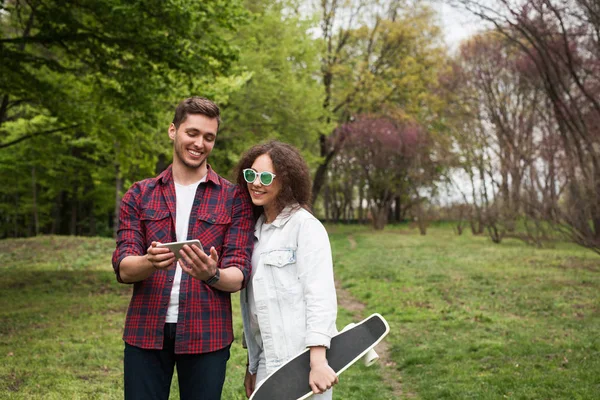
(196, 105)
(290, 168)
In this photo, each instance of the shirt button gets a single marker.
(212, 220)
(166, 303)
(170, 279)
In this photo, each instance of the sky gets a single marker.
(457, 24)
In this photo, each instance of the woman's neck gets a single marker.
(271, 213)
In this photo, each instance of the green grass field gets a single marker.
(469, 319)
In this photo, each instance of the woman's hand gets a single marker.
(321, 377)
(249, 383)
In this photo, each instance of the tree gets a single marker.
(277, 95)
(391, 156)
(561, 41)
(375, 56)
(83, 88)
(501, 145)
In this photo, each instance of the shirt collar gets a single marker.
(284, 216)
(167, 175)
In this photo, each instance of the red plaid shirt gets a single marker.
(221, 217)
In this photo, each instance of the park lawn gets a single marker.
(469, 319)
(474, 320)
(62, 315)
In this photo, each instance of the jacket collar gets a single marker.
(284, 216)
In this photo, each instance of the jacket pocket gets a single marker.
(215, 218)
(157, 225)
(283, 270)
(280, 258)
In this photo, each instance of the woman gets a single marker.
(290, 302)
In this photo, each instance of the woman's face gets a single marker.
(262, 195)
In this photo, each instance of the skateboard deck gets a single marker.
(290, 381)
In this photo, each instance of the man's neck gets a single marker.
(186, 176)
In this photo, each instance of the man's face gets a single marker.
(194, 140)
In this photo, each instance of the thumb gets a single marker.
(213, 254)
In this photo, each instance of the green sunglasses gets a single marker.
(266, 178)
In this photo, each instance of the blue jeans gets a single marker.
(148, 373)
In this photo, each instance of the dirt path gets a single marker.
(348, 302)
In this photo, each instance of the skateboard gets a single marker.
(355, 341)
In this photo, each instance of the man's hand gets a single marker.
(160, 257)
(197, 263)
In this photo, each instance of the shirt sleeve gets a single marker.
(129, 237)
(315, 268)
(238, 241)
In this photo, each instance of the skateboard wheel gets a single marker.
(370, 358)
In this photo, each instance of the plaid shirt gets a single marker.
(221, 217)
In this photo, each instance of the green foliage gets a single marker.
(392, 67)
(280, 97)
(88, 89)
(84, 89)
(386, 65)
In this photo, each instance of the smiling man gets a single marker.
(180, 311)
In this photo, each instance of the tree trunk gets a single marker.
(73, 223)
(118, 189)
(3, 108)
(326, 203)
(361, 216)
(321, 174)
(36, 221)
(57, 220)
(380, 214)
(380, 217)
(397, 210)
(421, 218)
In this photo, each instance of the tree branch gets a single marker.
(31, 135)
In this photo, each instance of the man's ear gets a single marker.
(172, 132)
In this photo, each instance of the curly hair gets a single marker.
(290, 168)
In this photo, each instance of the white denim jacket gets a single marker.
(293, 290)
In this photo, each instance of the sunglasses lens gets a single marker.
(266, 178)
(249, 175)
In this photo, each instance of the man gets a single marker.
(180, 312)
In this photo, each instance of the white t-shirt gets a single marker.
(185, 200)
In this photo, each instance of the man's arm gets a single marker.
(238, 244)
(131, 261)
(237, 251)
(137, 268)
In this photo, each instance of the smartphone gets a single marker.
(176, 246)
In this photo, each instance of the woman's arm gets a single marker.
(321, 377)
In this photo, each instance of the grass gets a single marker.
(469, 319)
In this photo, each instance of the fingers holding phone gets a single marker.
(199, 264)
